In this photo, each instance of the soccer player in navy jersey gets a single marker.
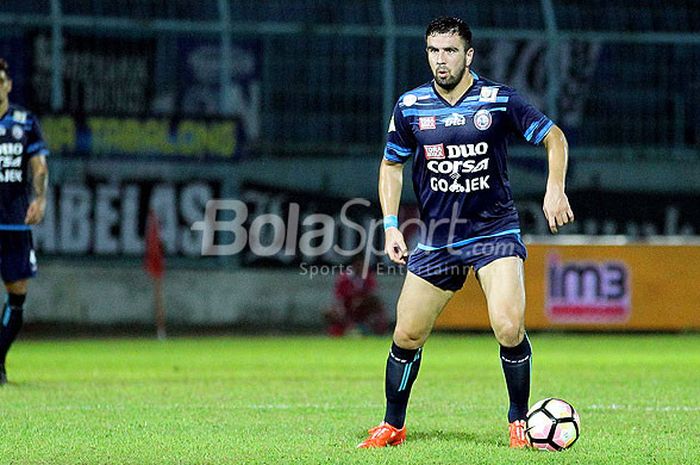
(22, 148)
(455, 129)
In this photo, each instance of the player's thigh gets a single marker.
(503, 283)
(419, 305)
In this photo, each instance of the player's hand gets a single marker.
(35, 212)
(395, 246)
(557, 209)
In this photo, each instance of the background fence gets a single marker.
(165, 104)
(308, 77)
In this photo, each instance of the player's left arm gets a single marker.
(556, 204)
(40, 181)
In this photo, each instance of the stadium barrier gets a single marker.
(633, 287)
(625, 287)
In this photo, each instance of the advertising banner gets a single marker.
(125, 137)
(104, 218)
(606, 212)
(590, 287)
(198, 90)
(101, 75)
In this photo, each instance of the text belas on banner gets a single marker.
(99, 218)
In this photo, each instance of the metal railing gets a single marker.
(614, 76)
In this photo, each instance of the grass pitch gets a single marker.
(309, 400)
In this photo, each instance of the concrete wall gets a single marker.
(96, 294)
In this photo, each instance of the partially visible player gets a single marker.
(357, 308)
(22, 150)
(455, 130)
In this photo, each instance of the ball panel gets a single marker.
(565, 434)
(539, 425)
(558, 408)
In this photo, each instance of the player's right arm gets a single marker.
(390, 185)
(400, 146)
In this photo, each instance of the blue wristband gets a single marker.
(391, 221)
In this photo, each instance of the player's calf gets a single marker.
(12, 317)
(516, 364)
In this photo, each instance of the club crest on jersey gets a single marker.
(488, 94)
(17, 131)
(426, 122)
(455, 119)
(434, 152)
(482, 120)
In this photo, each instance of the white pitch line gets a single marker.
(326, 407)
(652, 408)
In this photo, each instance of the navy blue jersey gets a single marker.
(20, 139)
(459, 158)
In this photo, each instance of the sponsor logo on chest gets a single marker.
(439, 151)
(455, 119)
(434, 152)
(10, 148)
(426, 122)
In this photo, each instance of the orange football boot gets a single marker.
(382, 436)
(517, 435)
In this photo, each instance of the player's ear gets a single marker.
(470, 56)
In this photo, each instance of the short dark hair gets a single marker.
(450, 25)
(4, 66)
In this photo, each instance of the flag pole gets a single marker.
(159, 309)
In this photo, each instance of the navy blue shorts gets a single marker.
(448, 268)
(17, 259)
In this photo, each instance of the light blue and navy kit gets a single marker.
(20, 140)
(460, 175)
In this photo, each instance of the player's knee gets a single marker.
(409, 339)
(508, 333)
(17, 287)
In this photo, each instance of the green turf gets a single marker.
(309, 400)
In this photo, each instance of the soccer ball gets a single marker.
(552, 424)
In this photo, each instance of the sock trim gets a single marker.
(517, 354)
(407, 370)
(6, 315)
(516, 362)
(400, 354)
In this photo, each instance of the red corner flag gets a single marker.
(154, 264)
(154, 259)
